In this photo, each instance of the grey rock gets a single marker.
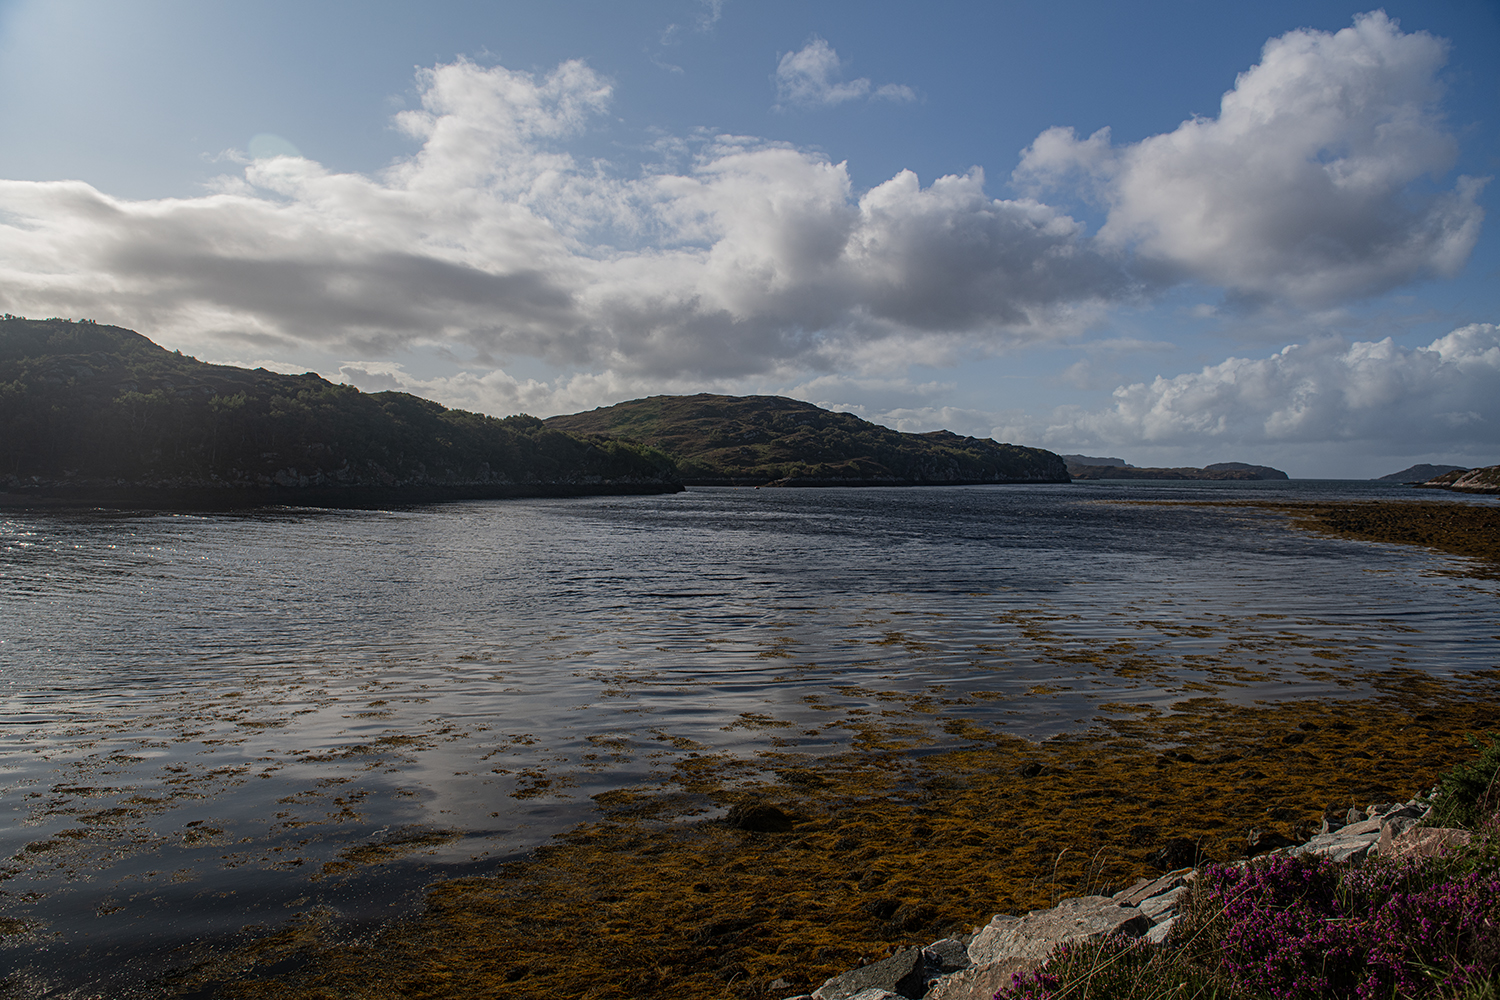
(876, 993)
(1147, 888)
(1352, 844)
(1158, 934)
(900, 974)
(1161, 907)
(1036, 934)
(979, 982)
(1354, 815)
(945, 956)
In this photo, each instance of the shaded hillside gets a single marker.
(85, 407)
(1217, 471)
(1420, 473)
(753, 440)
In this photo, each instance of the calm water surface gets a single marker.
(213, 721)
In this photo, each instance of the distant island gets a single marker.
(775, 441)
(1420, 473)
(1085, 467)
(99, 414)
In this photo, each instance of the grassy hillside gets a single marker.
(763, 439)
(86, 406)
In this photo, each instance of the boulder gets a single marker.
(979, 982)
(908, 973)
(1036, 934)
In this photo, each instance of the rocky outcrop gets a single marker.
(979, 965)
(1485, 480)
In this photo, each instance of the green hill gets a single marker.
(98, 412)
(755, 440)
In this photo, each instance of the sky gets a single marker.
(1175, 232)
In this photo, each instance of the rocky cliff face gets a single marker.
(1485, 480)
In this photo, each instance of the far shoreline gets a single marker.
(209, 498)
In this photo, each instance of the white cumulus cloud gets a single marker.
(1304, 186)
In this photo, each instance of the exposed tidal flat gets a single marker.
(488, 745)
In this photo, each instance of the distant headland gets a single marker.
(1086, 467)
(775, 441)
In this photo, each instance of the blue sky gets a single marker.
(1278, 252)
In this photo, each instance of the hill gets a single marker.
(759, 440)
(93, 412)
(1217, 471)
(1420, 473)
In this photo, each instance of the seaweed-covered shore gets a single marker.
(883, 846)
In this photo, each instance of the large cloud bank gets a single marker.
(1376, 396)
(1302, 188)
(751, 258)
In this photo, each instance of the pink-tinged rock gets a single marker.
(1145, 889)
(1036, 934)
(1423, 842)
(979, 982)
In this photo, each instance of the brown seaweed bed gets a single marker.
(920, 826)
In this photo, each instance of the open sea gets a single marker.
(213, 722)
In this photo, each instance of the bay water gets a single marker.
(212, 723)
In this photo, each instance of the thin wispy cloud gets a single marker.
(812, 77)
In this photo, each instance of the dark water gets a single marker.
(225, 720)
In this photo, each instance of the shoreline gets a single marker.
(226, 498)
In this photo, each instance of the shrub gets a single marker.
(1468, 794)
(1295, 927)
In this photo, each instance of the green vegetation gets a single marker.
(753, 440)
(91, 407)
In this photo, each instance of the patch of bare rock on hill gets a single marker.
(1482, 480)
(975, 966)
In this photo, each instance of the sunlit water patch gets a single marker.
(220, 721)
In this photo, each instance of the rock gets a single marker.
(1036, 934)
(1162, 907)
(1354, 815)
(758, 817)
(946, 956)
(1147, 888)
(1421, 842)
(1331, 823)
(908, 973)
(1158, 934)
(902, 969)
(979, 982)
(1351, 843)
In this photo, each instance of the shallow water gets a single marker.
(213, 721)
